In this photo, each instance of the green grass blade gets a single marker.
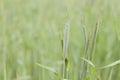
(110, 75)
(5, 72)
(47, 68)
(66, 38)
(110, 65)
(50, 69)
(65, 79)
(85, 35)
(88, 61)
(65, 48)
(94, 41)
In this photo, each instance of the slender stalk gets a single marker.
(4, 42)
(65, 47)
(5, 74)
(42, 71)
(17, 75)
(84, 65)
(94, 41)
(65, 42)
(85, 35)
(110, 75)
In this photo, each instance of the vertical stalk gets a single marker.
(17, 75)
(5, 74)
(110, 75)
(94, 41)
(84, 65)
(4, 42)
(65, 47)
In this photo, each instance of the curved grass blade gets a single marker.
(88, 61)
(110, 65)
(50, 69)
(47, 68)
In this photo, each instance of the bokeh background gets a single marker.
(31, 32)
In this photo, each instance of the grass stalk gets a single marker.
(65, 48)
(94, 41)
(5, 73)
(110, 75)
(17, 75)
(85, 35)
(83, 71)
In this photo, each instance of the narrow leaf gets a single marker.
(94, 41)
(47, 68)
(88, 61)
(110, 65)
(85, 35)
(50, 69)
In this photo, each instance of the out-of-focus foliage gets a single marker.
(31, 31)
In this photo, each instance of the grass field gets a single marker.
(31, 34)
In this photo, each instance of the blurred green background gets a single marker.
(31, 32)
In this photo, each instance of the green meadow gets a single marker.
(59, 40)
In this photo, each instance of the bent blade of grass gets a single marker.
(47, 68)
(110, 65)
(88, 61)
(51, 70)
